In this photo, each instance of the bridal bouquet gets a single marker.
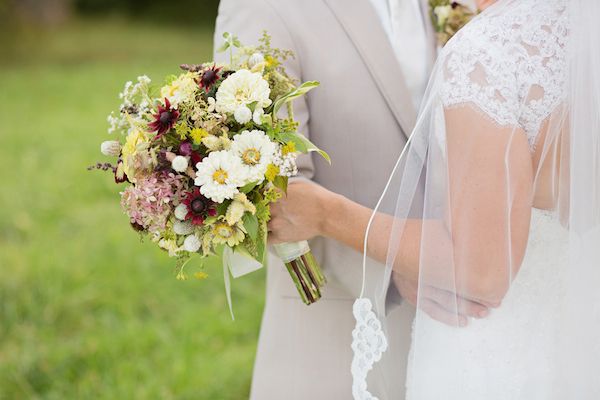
(203, 156)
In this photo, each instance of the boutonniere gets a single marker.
(448, 17)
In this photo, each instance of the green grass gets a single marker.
(86, 310)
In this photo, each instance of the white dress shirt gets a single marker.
(404, 23)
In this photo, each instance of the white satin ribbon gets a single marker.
(237, 264)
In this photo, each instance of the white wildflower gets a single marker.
(257, 116)
(192, 244)
(183, 227)
(111, 148)
(181, 212)
(180, 164)
(242, 115)
(286, 163)
(255, 59)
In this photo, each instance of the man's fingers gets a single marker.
(435, 311)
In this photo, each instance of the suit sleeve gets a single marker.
(247, 19)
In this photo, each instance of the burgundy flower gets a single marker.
(199, 207)
(164, 119)
(196, 158)
(209, 77)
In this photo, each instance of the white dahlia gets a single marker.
(255, 151)
(220, 175)
(242, 89)
(180, 164)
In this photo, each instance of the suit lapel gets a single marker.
(361, 23)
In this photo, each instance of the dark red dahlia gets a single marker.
(209, 77)
(199, 207)
(164, 119)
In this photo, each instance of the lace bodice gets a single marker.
(510, 65)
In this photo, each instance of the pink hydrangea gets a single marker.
(150, 202)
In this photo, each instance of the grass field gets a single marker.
(86, 310)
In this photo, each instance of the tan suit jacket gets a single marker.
(361, 115)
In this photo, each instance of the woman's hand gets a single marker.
(301, 214)
(441, 305)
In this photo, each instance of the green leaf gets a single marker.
(281, 183)
(303, 145)
(294, 94)
(251, 224)
(248, 188)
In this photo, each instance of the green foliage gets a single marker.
(86, 310)
(302, 144)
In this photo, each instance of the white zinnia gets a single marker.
(180, 164)
(192, 244)
(242, 115)
(111, 148)
(242, 89)
(219, 176)
(181, 212)
(183, 227)
(255, 151)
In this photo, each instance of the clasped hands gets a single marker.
(309, 210)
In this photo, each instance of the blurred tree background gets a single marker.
(86, 310)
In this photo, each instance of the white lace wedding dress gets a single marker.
(508, 355)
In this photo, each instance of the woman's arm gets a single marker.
(490, 174)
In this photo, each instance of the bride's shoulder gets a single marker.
(497, 59)
(509, 24)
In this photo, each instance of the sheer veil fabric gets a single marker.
(497, 200)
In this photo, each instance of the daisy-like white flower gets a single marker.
(220, 175)
(242, 89)
(255, 151)
(181, 90)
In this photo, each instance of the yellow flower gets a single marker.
(271, 61)
(136, 141)
(200, 275)
(272, 172)
(197, 134)
(182, 129)
(288, 148)
(181, 89)
(231, 235)
(238, 208)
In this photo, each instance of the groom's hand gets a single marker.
(439, 304)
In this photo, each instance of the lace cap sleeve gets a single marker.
(511, 66)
